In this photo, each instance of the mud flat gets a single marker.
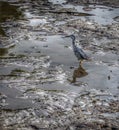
(42, 85)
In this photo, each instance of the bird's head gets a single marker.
(72, 37)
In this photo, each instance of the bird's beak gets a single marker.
(66, 36)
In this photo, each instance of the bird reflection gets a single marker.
(78, 73)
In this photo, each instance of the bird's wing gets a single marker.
(82, 53)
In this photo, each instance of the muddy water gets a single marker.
(101, 14)
(42, 85)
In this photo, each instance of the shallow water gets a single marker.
(100, 14)
(41, 82)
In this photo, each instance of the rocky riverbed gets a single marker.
(42, 85)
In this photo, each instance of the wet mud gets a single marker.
(114, 3)
(42, 84)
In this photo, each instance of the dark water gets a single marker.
(8, 13)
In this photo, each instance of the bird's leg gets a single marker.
(81, 62)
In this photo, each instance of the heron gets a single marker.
(79, 53)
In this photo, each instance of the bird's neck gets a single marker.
(73, 43)
(74, 46)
